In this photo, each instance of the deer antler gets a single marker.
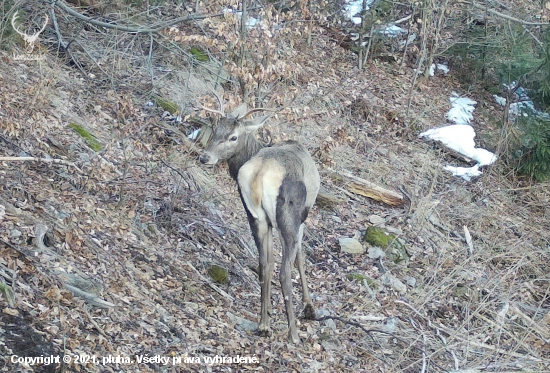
(270, 110)
(44, 26)
(213, 111)
(220, 101)
(14, 27)
(28, 38)
(260, 109)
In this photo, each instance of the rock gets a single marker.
(332, 344)
(391, 324)
(377, 220)
(191, 305)
(328, 322)
(376, 252)
(14, 233)
(411, 281)
(315, 366)
(336, 219)
(351, 245)
(242, 323)
(394, 283)
(396, 231)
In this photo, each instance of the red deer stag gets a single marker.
(278, 186)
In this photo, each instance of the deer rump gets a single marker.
(279, 185)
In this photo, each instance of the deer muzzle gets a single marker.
(207, 158)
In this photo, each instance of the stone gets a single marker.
(351, 246)
(377, 220)
(393, 282)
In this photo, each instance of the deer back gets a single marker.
(285, 171)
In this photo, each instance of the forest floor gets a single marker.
(139, 224)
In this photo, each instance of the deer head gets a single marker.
(30, 39)
(231, 133)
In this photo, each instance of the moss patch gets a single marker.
(218, 274)
(199, 54)
(90, 139)
(356, 276)
(7, 293)
(395, 250)
(167, 105)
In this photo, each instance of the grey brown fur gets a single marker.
(278, 186)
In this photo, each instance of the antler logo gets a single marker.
(30, 40)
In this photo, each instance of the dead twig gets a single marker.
(139, 29)
(44, 160)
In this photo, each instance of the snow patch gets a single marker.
(460, 138)
(193, 135)
(392, 31)
(461, 110)
(467, 173)
(353, 8)
(251, 22)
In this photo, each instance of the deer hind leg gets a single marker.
(289, 254)
(309, 311)
(261, 231)
(290, 204)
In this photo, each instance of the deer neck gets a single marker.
(250, 148)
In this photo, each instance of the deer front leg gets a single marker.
(309, 311)
(270, 266)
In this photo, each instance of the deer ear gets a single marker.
(254, 124)
(239, 112)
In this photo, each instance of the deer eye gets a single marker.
(233, 138)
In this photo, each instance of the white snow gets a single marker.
(438, 66)
(353, 8)
(460, 138)
(410, 39)
(461, 110)
(251, 22)
(193, 135)
(500, 100)
(524, 106)
(443, 67)
(464, 172)
(392, 30)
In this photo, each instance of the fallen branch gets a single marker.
(88, 297)
(366, 188)
(369, 332)
(505, 16)
(44, 160)
(137, 30)
(74, 283)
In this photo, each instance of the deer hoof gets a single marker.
(294, 338)
(309, 312)
(264, 331)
